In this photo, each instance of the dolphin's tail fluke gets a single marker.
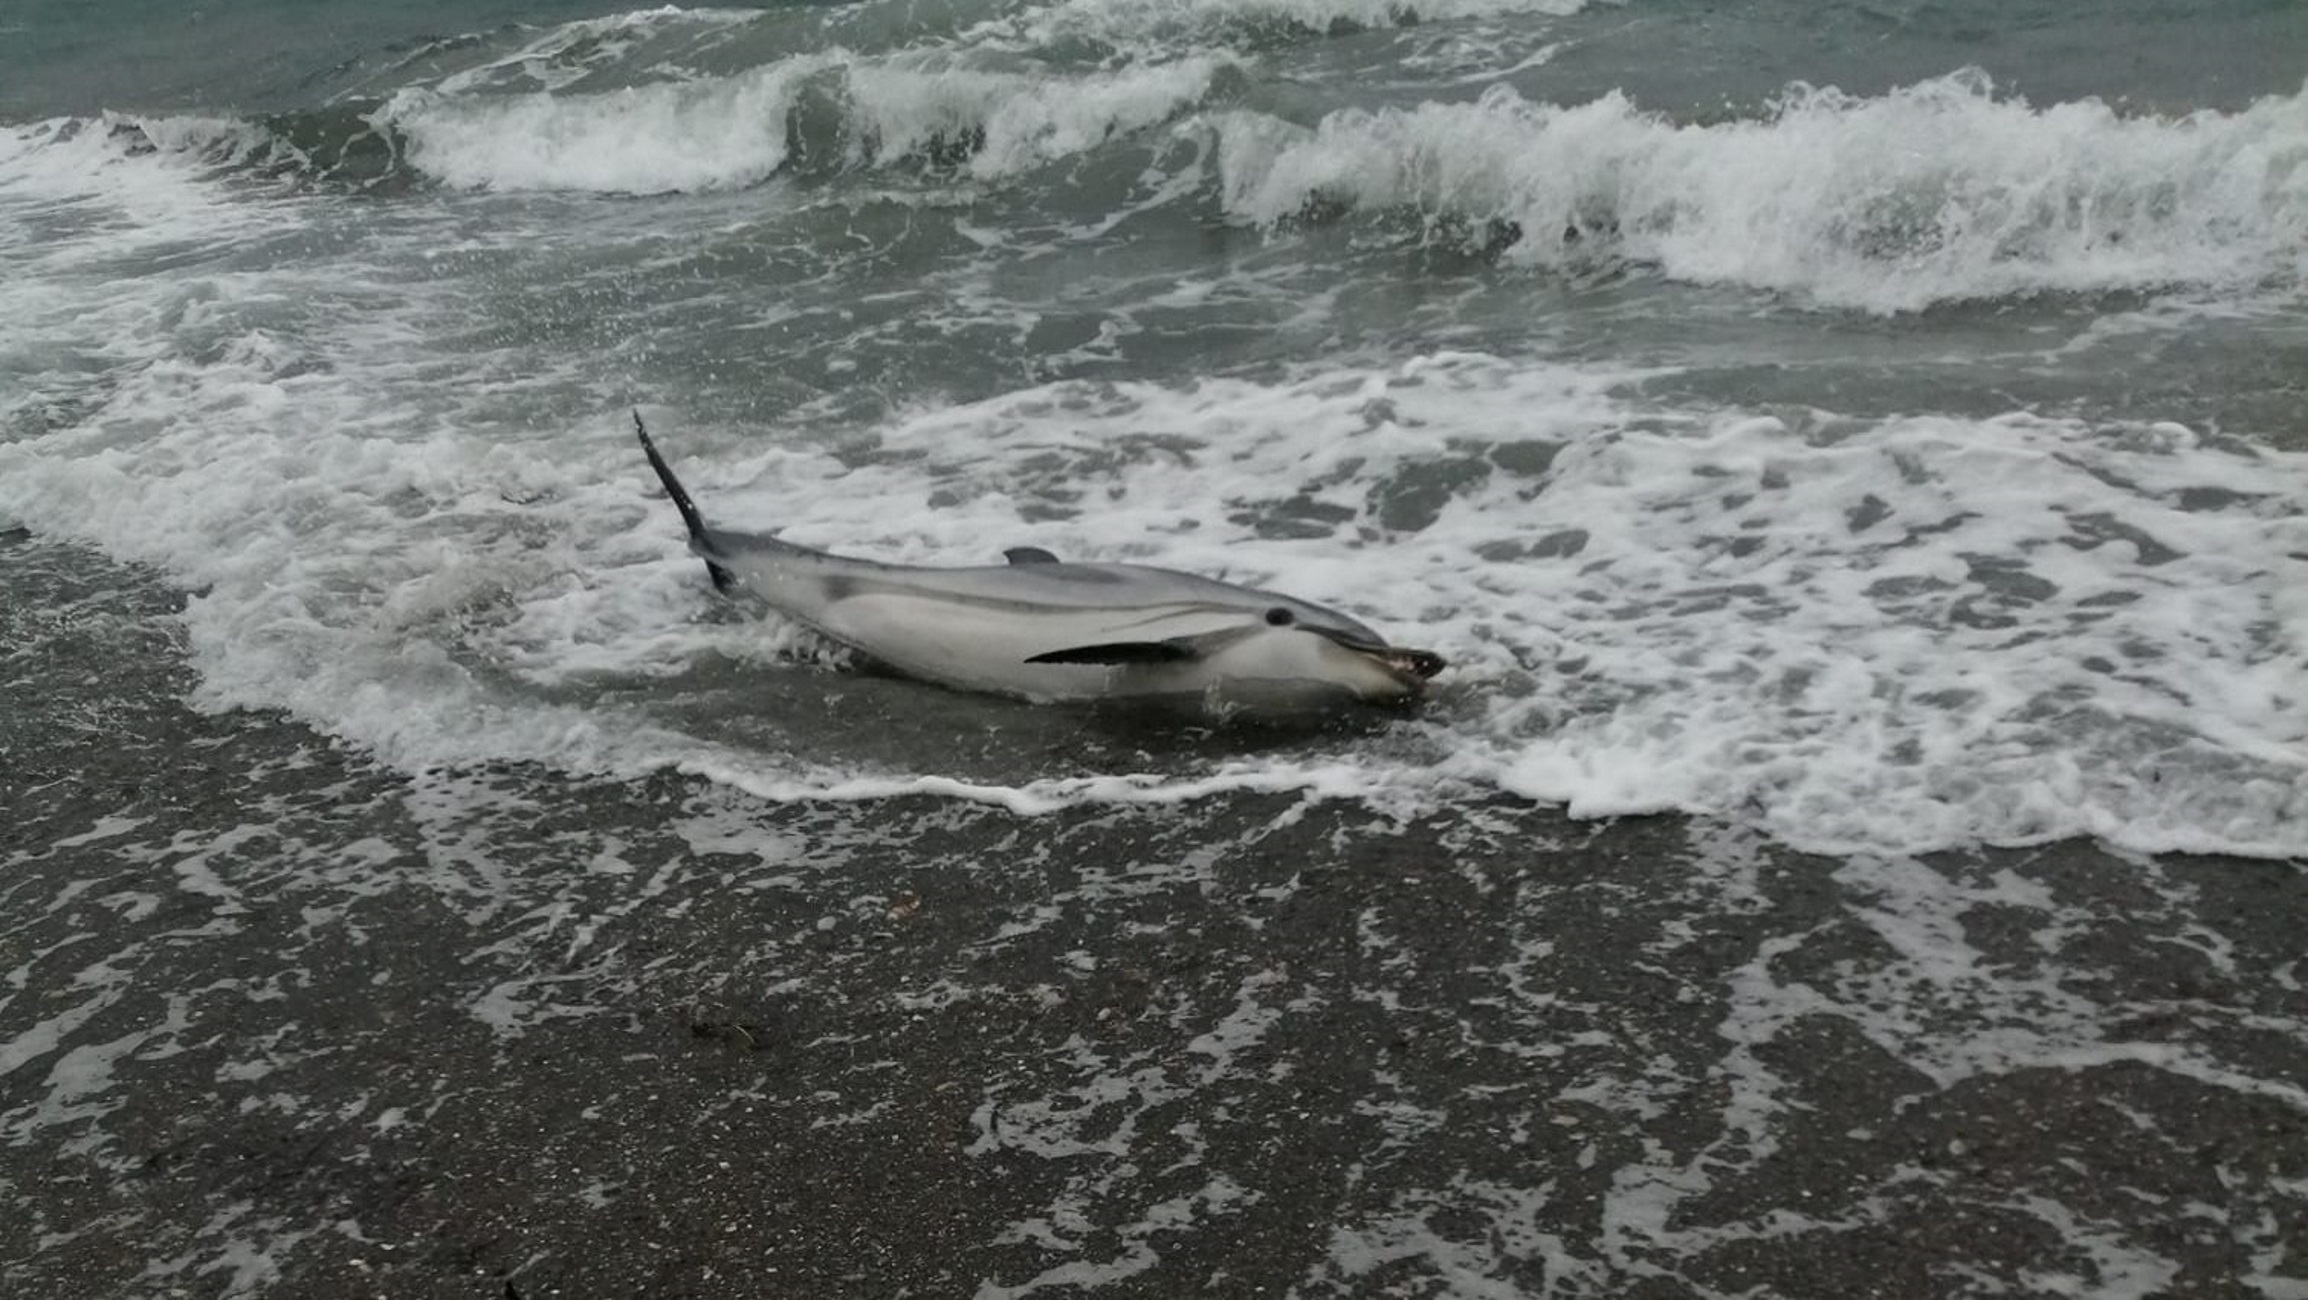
(699, 542)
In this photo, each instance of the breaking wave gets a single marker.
(1937, 192)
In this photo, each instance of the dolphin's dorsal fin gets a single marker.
(700, 537)
(1119, 652)
(1029, 555)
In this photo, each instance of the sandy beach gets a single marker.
(339, 1031)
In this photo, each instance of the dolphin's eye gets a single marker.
(1280, 617)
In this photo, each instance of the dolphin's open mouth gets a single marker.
(1416, 665)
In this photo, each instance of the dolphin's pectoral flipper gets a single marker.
(1029, 555)
(1119, 652)
(699, 538)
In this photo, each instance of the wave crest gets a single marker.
(823, 111)
(1934, 193)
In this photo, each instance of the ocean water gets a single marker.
(1891, 458)
(1856, 431)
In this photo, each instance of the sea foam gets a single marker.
(1892, 634)
(1142, 27)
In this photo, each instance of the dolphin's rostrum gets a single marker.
(1041, 629)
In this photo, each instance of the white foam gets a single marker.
(2034, 634)
(1937, 192)
(123, 186)
(1150, 26)
(1823, 681)
(1919, 632)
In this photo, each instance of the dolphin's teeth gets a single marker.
(1422, 664)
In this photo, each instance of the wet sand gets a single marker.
(277, 1022)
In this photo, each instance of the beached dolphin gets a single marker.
(1044, 630)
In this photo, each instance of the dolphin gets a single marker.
(1044, 630)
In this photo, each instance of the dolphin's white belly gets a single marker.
(983, 648)
(967, 646)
